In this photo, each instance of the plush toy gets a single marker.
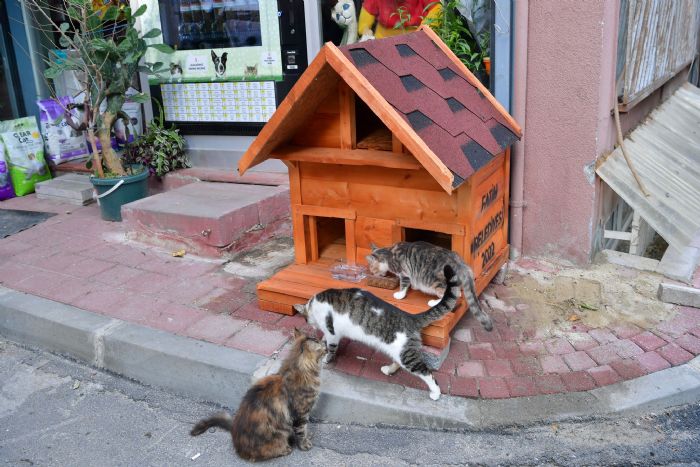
(388, 13)
(345, 15)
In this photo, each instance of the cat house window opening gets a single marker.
(440, 239)
(370, 131)
(330, 237)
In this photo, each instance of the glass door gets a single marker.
(10, 106)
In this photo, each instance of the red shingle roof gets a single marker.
(456, 121)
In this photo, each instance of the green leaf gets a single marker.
(155, 32)
(140, 98)
(63, 41)
(110, 14)
(64, 27)
(164, 48)
(141, 10)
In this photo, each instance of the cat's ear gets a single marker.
(373, 246)
(296, 334)
(371, 258)
(300, 308)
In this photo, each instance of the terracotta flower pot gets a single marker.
(487, 65)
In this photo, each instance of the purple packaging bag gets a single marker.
(6, 191)
(62, 142)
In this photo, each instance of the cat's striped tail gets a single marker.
(219, 420)
(447, 302)
(475, 306)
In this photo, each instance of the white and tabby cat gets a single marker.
(420, 266)
(359, 315)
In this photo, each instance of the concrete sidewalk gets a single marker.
(548, 356)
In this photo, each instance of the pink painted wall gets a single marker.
(571, 51)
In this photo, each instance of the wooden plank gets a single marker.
(281, 308)
(458, 244)
(324, 211)
(360, 157)
(614, 234)
(486, 171)
(488, 192)
(473, 80)
(346, 102)
(318, 82)
(299, 235)
(350, 245)
(322, 130)
(444, 227)
(397, 177)
(485, 276)
(487, 226)
(313, 237)
(389, 116)
(370, 230)
(483, 258)
(396, 145)
(506, 196)
(294, 182)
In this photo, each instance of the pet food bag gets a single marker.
(62, 143)
(133, 111)
(6, 191)
(24, 151)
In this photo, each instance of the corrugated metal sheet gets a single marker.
(656, 39)
(665, 152)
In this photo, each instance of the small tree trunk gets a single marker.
(114, 164)
(96, 161)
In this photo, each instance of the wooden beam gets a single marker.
(473, 80)
(614, 234)
(350, 244)
(294, 182)
(347, 116)
(299, 235)
(396, 124)
(443, 227)
(321, 211)
(313, 237)
(367, 157)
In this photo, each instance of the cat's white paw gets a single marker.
(435, 395)
(389, 369)
(433, 302)
(400, 295)
(328, 358)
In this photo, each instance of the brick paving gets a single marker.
(78, 259)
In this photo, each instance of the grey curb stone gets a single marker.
(679, 294)
(222, 375)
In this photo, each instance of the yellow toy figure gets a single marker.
(389, 13)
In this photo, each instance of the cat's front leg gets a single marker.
(332, 342)
(301, 432)
(404, 284)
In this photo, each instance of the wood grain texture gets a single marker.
(444, 227)
(324, 211)
(355, 157)
(346, 104)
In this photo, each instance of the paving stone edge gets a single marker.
(222, 375)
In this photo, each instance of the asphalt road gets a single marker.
(55, 412)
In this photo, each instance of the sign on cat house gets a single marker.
(389, 140)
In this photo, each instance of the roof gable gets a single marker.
(424, 95)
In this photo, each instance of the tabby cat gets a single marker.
(420, 265)
(274, 413)
(359, 315)
(250, 71)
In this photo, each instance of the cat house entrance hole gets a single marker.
(330, 237)
(370, 131)
(436, 238)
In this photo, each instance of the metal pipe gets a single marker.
(517, 202)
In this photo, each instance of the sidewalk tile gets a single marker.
(521, 386)
(465, 387)
(498, 368)
(578, 361)
(602, 335)
(689, 343)
(582, 340)
(648, 341)
(675, 354)
(470, 369)
(257, 339)
(115, 276)
(550, 384)
(506, 350)
(493, 388)
(482, 351)
(626, 330)
(629, 368)
(558, 346)
(251, 311)
(604, 354)
(604, 375)
(553, 364)
(532, 348)
(215, 328)
(578, 381)
(525, 366)
(652, 361)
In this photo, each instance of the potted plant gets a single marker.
(160, 149)
(104, 50)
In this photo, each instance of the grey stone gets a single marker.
(679, 294)
(630, 261)
(70, 188)
(679, 264)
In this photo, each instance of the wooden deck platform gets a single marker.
(299, 282)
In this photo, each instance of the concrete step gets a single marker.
(70, 188)
(210, 219)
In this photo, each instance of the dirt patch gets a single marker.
(599, 296)
(263, 260)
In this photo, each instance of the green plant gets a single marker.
(104, 50)
(456, 35)
(160, 149)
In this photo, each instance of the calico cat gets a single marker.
(359, 315)
(420, 265)
(274, 413)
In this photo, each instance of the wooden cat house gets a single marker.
(389, 140)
